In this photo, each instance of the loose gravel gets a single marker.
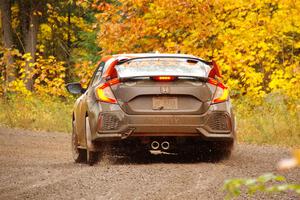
(38, 165)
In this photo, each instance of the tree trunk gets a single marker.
(68, 53)
(30, 47)
(30, 40)
(24, 21)
(7, 37)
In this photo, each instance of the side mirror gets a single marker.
(75, 88)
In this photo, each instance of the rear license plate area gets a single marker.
(164, 103)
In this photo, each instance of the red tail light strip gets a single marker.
(164, 78)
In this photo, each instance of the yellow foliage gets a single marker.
(256, 43)
(48, 73)
(84, 70)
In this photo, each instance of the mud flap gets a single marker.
(89, 144)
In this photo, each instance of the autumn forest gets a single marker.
(46, 44)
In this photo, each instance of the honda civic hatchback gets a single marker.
(172, 103)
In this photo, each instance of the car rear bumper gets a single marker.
(202, 133)
(213, 125)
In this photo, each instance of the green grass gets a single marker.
(274, 122)
(36, 113)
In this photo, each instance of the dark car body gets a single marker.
(168, 111)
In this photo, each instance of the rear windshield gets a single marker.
(163, 67)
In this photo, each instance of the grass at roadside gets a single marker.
(36, 113)
(273, 123)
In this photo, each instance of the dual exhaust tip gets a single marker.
(164, 145)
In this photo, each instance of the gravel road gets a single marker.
(38, 165)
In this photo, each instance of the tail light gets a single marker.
(164, 78)
(221, 94)
(104, 93)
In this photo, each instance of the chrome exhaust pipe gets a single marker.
(165, 145)
(154, 145)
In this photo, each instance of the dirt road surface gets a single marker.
(38, 165)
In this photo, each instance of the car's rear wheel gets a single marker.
(79, 155)
(227, 149)
(92, 156)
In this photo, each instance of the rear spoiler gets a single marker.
(111, 71)
(124, 60)
(203, 79)
(215, 70)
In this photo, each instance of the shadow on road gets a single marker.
(138, 159)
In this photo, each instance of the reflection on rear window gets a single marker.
(162, 66)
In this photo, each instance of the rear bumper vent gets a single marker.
(110, 122)
(219, 121)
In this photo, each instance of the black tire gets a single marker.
(92, 157)
(227, 149)
(79, 155)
